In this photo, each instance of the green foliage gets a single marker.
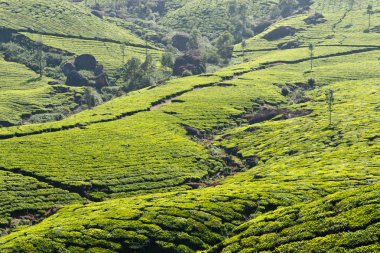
(91, 97)
(23, 94)
(61, 18)
(346, 221)
(107, 53)
(167, 60)
(301, 186)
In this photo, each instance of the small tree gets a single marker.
(330, 102)
(369, 12)
(311, 51)
(40, 57)
(224, 45)
(131, 69)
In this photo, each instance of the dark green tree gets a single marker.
(131, 70)
(40, 58)
(224, 45)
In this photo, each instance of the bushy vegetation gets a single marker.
(347, 221)
(60, 18)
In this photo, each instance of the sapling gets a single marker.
(369, 12)
(330, 102)
(311, 51)
(40, 57)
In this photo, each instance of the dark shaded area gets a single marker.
(260, 26)
(85, 62)
(316, 18)
(376, 29)
(280, 32)
(98, 78)
(180, 41)
(289, 44)
(98, 14)
(76, 79)
(192, 131)
(191, 63)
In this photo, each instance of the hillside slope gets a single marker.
(65, 30)
(275, 181)
(240, 160)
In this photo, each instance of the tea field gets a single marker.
(244, 159)
(24, 93)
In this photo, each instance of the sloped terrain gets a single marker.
(341, 23)
(240, 160)
(344, 222)
(24, 93)
(60, 18)
(211, 18)
(68, 30)
(277, 180)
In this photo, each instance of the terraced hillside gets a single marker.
(60, 18)
(23, 93)
(67, 29)
(328, 23)
(240, 160)
(211, 18)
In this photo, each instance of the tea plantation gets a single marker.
(249, 158)
(24, 93)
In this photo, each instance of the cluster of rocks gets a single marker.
(279, 33)
(289, 44)
(97, 77)
(316, 18)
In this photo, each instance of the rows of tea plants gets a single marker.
(298, 160)
(23, 93)
(23, 195)
(213, 107)
(143, 99)
(61, 18)
(344, 222)
(110, 54)
(145, 152)
(137, 101)
(341, 27)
